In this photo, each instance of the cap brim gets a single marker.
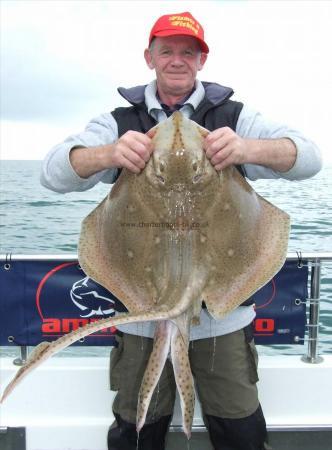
(165, 33)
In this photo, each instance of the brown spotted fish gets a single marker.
(167, 239)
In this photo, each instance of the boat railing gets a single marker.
(314, 262)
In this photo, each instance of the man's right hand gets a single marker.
(131, 151)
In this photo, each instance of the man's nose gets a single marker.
(177, 60)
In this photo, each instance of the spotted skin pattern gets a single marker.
(159, 354)
(168, 238)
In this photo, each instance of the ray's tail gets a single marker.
(170, 336)
(154, 368)
(183, 376)
(47, 349)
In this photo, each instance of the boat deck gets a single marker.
(278, 440)
(14, 439)
(296, 399)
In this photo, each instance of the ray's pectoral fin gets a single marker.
(254, 251)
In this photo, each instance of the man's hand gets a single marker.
(224, 147)
(132, 151)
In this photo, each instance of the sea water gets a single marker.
(34, 220)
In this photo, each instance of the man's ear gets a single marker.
(202, 60)
(148, 58)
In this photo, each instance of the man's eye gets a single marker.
(165, 52)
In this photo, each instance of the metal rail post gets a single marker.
(24, 355)
(312, 356)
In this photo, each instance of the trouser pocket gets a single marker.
(115, 373)
(252, 353)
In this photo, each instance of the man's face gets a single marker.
(176, 60)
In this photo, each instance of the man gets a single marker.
(225, 367)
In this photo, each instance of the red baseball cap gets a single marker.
(179, 24)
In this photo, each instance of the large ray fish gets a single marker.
(168, 238)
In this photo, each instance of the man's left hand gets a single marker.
(224, 147)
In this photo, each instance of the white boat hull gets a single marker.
(66, 403)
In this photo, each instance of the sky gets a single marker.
(62, 60)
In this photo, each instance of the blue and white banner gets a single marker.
(42, 300)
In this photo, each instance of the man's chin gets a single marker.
(179, 86)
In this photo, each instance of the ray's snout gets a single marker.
(183, 170)
(178, 159)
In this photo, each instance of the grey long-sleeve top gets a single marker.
(59, 176)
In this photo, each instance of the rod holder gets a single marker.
(312, 356)
(20, 361)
